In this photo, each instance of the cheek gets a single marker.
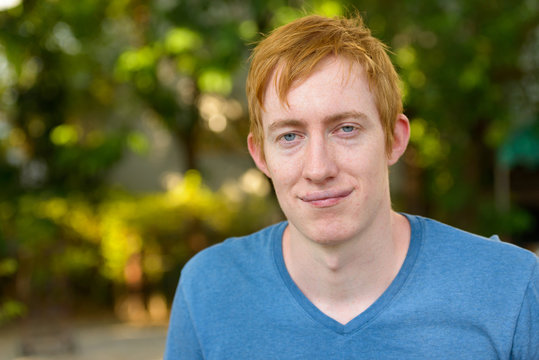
(362, 164)
(284, 172)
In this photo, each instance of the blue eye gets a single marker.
(289, 137)
(347, 128)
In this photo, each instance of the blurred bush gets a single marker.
(73, 252)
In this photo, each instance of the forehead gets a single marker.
(335, 85)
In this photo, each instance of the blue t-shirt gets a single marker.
(457, 296)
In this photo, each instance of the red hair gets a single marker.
(296, 48)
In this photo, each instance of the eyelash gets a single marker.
(353, 129)
(285, 142)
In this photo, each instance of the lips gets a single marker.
(325, 198)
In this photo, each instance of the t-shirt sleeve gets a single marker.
(526, 338)
(182, 341)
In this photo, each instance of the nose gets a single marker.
(319, 163)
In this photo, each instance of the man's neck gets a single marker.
(343, 280)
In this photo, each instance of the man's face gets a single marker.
(325, 153)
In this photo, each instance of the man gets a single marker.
(346, 277)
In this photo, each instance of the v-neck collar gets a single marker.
(372, 311)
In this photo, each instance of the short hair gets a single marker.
(296, 48)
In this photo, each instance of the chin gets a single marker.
(329, 234)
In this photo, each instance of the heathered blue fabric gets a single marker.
(457, 296)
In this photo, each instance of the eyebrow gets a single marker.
(345, 115)
(283, 123)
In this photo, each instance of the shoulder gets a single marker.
(478, 278)
(472, 252)
(449, 236)
(231, 257)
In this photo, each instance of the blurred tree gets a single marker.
(57, 96)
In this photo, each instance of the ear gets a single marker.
(401, 135)
(257, 155)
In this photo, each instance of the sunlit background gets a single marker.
(123, 128)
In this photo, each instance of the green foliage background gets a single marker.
(76, 77)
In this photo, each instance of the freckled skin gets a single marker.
(325, 154)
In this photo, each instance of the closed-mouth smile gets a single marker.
(325, 198)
